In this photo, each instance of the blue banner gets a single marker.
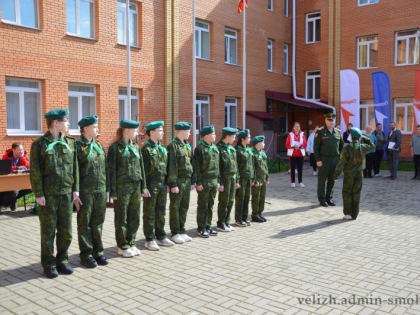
(382, 99)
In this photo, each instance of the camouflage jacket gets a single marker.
(92, 165)
(180, 164)
(54, 166)
(155, 158)
(125, 166)
(206, 163)
(261, 166)
(244, 157)
(227, 161)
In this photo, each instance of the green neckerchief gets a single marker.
(210, 147)
(246, 149)
(129, 148)
(160, 147)
(55, 142)
(357, 145)
(186, 144)
(261, 153)
(93, 145)
(228, 147)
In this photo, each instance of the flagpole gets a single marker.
(194, 73)
(244, 66)
(127, 26)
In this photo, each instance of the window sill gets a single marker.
(81, 37)
(311, 43)
(203, 59)
(23, 134)
(232, 64)
(406, 65)
(367, 68)
(20, 25)
(119, 45)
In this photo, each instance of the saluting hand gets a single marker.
(175, 190)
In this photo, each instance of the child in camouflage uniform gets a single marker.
(259, 187)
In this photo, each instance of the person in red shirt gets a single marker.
(20, 162)
(296, 145)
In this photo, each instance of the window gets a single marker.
(202, 39)
(270, 5)
(286, 8)
(202, 104)
(407, 48)
(231, 46)
(80, 18)
(404, 114)
(23, 106)
(82, 102)
(20, 12)
(270, 55)
(285, 59)
(366, 2)
(128, 111)
(313, 28)
(313, 79)
(231, 112)
(367, 114)
(132, 21)
(367, 52)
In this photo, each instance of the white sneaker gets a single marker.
(186, 238)
(227, 228)
(166, 242)
(347, 217)
(177, 239)
(301, 185)
(127, 253)
(135, 250)
(293, 185)
(223, 229)
(231, 228)
(152, 246)
(315, 173)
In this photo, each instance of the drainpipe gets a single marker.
(294, 67)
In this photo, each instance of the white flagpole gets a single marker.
(127, 26)
(194, 70)
(244, 66)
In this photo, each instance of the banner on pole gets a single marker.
(382, 99)
(350, 99)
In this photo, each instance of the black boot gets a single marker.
(65, 269)
(50, 272)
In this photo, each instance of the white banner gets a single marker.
(350, 99)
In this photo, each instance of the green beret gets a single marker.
(206, 130)
(229, 131)
(154, 124)
(257, 139)
(330, 116)
(130, 124)
(56, 114)
(355, 133)
(88, 120)
(182, 125)
(243, 133)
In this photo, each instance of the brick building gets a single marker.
(72, 54)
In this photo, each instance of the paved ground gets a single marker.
(305, 259)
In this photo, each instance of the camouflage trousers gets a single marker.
(127, 214)
(205, 204)
(178, 206)
(352, 187)
(258, 200)
(90, 220)
(56, 216)
(154, 212)
(226, 198)
(242, 197)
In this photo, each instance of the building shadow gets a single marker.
(308, 228)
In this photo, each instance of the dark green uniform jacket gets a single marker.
(180, 165)
(206, 162)
(261, 166)
(155, 159)
(327, 144)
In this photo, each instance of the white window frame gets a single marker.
(366, 106)
(198, 104)
(286, 59)
(407, 47)
(270, 52)
(406, 107)
(21, 91)
(79, 96)
(131, 11)
(229, 103)
(312, 76)
(270, 5)
(369, 2)
(199, 37)
(365, 43)
(286, 8)
(78, 34)
(314, 21)
(18, 21)
(227, 45)
(127, 107)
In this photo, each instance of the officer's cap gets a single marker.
(88, 120)
(206, 130)
(257, 139)
(182, 125)
(130, 124)
(229, 131)
(330, 116)
(154, 124)
(243, 133)
(56, 114)
(355, 133)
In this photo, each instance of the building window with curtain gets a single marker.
(285, 59)
(82, 102)
(270, 5)
(231, 112)
(404, 114)
(367, 52)
(367, 114)
(270, 55)
(313, 27)
(231, 46)
(23, 106)
(132, 23)
(407, 48)
(313, 85)
(202, 40)
(20, 12)
(286, 8)
(80, 16)
(128, 111)
(202, 104)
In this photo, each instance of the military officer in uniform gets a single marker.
(206, 166)
(93, 193)
(155, 159)
(180, 181)
(55, 183)
(328, 144)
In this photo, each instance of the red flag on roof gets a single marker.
(241, 5)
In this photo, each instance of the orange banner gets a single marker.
(241, 5)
